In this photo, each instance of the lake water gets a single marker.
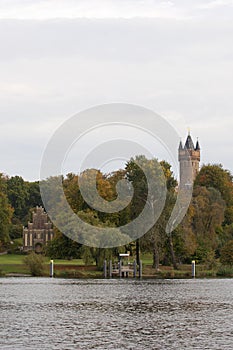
(43, 313)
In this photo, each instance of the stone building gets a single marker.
(189, 158)
(38, 232)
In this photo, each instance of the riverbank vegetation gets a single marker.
(204, 235)
(15, 265)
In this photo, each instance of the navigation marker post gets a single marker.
(193, 269)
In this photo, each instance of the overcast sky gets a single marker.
(60, 57)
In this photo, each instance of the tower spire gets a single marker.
(197, 148)
(189, 143)
(180, 145)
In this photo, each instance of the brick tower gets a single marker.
(189, 158)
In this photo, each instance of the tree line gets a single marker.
(205, 234)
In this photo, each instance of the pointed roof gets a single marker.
(189, 143)
(180, 145)
(197, 148)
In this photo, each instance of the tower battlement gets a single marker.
(187, 154)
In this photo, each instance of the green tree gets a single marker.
(6, 213)
(33, 198)
(157, 172)
(18, 195)
(15, 229)
(62, 247)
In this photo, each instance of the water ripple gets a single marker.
(40, 313)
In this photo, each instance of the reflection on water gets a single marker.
(40, 313)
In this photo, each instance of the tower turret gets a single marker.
(189, 158)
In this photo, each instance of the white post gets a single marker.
(140, 268)
(105, 268)
(193, 269)
(110, 268)
(51, 270)
(120, 269)
(134, 268)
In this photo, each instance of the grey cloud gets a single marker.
(52, 69)
(135, 40)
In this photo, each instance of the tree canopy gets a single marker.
(205, 231)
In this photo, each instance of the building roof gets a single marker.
(197, 146)
(189, 143)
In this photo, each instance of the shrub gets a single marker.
(15, 246)
(226, 256)
(35, 263)
(225, 271)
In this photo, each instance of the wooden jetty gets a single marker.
(123, 268)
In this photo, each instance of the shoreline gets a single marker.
(14, 266)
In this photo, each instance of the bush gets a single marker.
(35, 263)
(210, 261)
(226, 256)
(225, 271)
(15, 246)
(86, 255)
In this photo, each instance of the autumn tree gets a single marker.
(215, 176)
(205, 216)
(226, 257)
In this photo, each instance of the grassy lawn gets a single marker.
(147, 259)
(11, 268)
(68, 262)
(11, 263)
(11, 259)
